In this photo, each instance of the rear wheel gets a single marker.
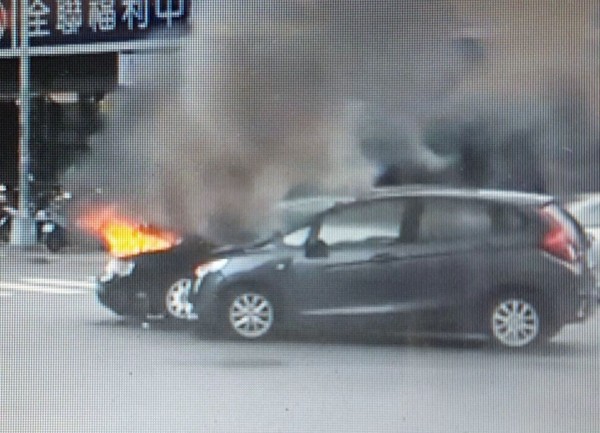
(250, 314)
(516, 322)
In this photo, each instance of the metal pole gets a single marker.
(23, 225)
(13, 30)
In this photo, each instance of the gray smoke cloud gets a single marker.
(267, 95)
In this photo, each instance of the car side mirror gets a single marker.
(316, 249)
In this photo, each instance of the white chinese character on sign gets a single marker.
(38, 18)
(136, 10)
(102, 15)
(3, 20)
(69, 17)
(167, 12)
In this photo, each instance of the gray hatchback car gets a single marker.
(510, 266)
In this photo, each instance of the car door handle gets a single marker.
(383, 258)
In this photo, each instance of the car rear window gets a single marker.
(507, 219)
(444, 220)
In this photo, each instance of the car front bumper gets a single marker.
(205, 298)
(122, 302)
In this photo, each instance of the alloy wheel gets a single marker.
(515, 322)
(176, 299)
(251, 315)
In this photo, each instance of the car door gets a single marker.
(447, 255)
(346, 277)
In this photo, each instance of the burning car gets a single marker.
(150, 272)
(154, 283)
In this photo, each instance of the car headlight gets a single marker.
(122, 268)
(206, 268)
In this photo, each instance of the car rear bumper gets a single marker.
(578, 301)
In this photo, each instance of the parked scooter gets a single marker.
(50, 230)
(6, 216)
(51, 226)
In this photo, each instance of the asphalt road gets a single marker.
(69, 365)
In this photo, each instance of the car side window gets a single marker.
(378, 222)
(297, 238)
(447, 220)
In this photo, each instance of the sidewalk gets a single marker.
(39, 254)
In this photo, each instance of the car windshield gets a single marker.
(302, 216)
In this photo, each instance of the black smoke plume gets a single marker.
(266, 95)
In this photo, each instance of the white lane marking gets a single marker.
(41, 289)
(63, 283)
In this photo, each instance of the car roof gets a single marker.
(500, 196)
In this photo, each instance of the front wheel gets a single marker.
(515, 322)
(177, 305)
(250, 314)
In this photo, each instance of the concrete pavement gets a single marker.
(69, 365)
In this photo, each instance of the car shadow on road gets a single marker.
(559, 349)
(387, 340)
(347, 340)
(552, 349)
(162, 325)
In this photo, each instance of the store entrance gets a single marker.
(9, 143)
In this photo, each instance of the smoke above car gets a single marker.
(268, 95)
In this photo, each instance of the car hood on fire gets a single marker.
(189, 245)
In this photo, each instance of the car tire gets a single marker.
(249, 314)
(176, 304)
(55, 242)
(516, 321)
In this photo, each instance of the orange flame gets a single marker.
(123, 236)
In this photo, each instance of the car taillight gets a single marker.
(557, 239)
(558, 243)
